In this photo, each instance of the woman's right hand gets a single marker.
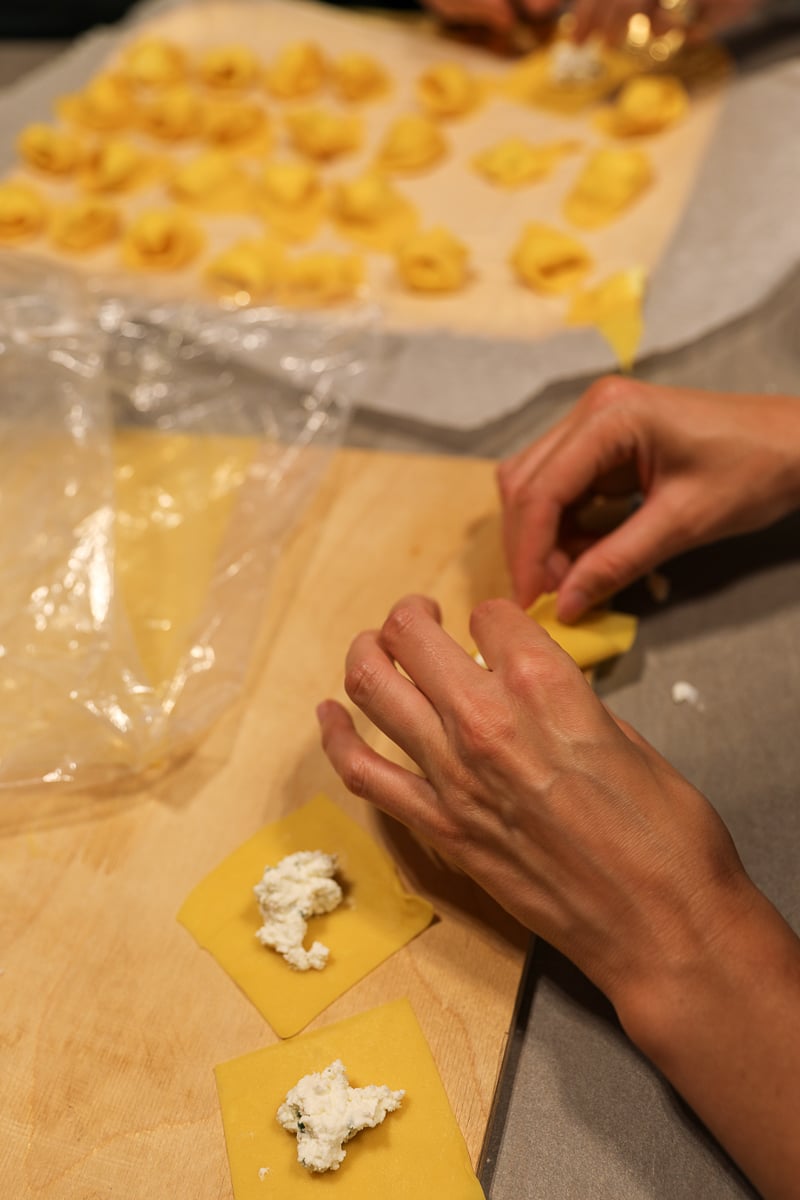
(707, 465)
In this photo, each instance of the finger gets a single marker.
(438, 666)
(588, 17)
(503, 632)
(541, 8)
(603, 442)
(392, 702)
(365, 773)
(641, 543)
(493, 14)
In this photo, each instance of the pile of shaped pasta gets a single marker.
(147, 165)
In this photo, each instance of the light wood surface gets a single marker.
(111, 1018)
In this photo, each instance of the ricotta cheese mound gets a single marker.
(325, 1112)
(570, 64)
(298, 887)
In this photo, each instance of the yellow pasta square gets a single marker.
(418, 1151)
(376, 918)
(597, 636)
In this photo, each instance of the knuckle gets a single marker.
(354, 774)
(361, 681)
(604, 392)
(401, 621)
(483, 728)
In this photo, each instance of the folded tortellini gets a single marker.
(434, 261)
(50, 150)
(239, 125)
(548, 261)
(230, 68)
(153, 62)
(292, 199)
(23, 213)
(411, 144)
(646, 104)
(323, 134)
(85, 225)
(556, 79)
(212, 183)
(116, 165)
(320, 278)
(161, 240)
(448, 89)
(357, 77)
(370, 211)
(250, 270)
(614, 307)
(106, 104)
(299, 71)
(514, 162)
(611, 180)
(175, 114)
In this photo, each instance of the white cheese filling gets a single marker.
(570, 63)
(299, 887)
(325, 1112)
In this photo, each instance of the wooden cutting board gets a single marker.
(111, 1018)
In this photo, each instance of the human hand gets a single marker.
(608, 19)
(708, 465)
(569, 819)
(501, 15)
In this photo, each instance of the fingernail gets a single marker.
(322, 710)
(571, 605)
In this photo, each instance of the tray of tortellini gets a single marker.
(296, 155)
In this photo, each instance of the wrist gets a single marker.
(707, 992)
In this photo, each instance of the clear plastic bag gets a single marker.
(152, 461)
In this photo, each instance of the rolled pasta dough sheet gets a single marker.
(376, 918)
(418, 1151)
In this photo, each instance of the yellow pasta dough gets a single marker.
(378, 918)
(84, 225)
(23, 213)
(173, 115)
(537, 80)
(161, 240)
(299, 71)
(291, 198)
(549, 261)
(433, 261)
(411, 144)
(229, 67)
(646, 104)
(418, 1153)
(448, 90)
(239, 125)
(356, 77)
(514, 162)
(320, 278)
(615, 308)
(597, 636)
(116, 166)
(250, 270)
(370, 211)
(323, 134)
(50, 150)
(105, 104)
(153, 62)
(612, 179)
(211, 182)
